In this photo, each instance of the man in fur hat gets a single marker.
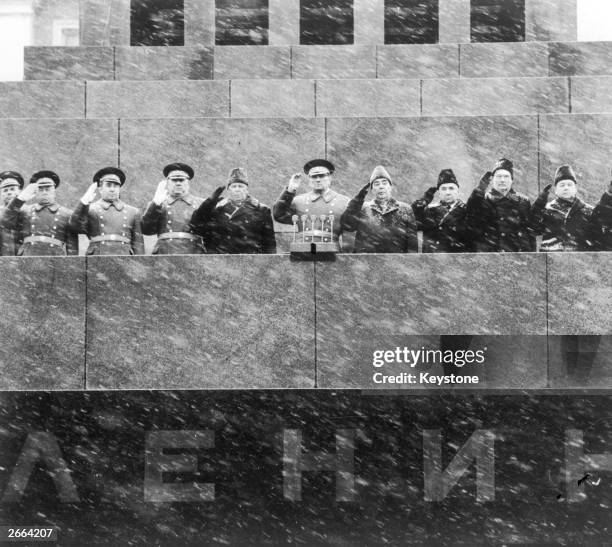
(43, 227)
(497, 215)
(236, 224)
(565, 222)
(383, 225)
(168, 216)
(443, 221)
(316, 213)
(113, 226)
(11, 183)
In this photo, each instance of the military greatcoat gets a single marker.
(43, 230)
(170, 221)
(113, 228)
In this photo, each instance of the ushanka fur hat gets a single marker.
(565, 172)
(447, 176)
(380, 173)
(238, 174)
(504, 164)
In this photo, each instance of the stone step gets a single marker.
(248, 321)
(511, 59)
(414, 149)
(305, 98)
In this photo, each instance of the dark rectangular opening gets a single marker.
(326, 22)
(157, 23)
(497, 20)
(411, 21)
(241, 22)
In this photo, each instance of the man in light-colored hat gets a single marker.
(383, 225)
(237, 223)
(498, 216)
(169, 214)
(43, 227)
(443, 221)
(565, 222)
(11, 183)
(113, 227)
(316, 214)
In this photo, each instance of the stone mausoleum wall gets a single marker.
(248, 323)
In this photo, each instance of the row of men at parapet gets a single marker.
(495, 218)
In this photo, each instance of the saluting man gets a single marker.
(11, 183)
(44, 226)
(113, 227)
(443, 222)
(236, 224)
(499, 217)
(169, 214)
(321, 202)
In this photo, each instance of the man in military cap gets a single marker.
(443, 222)
(497, 215)
(236, 224)
(316, 214)
(383, 225)
(44, 226)
(113, 227)
(169, 214)
(11, 183)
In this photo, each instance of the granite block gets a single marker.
(509, 362)
(104, 22)
(376, 98)
(372, 302)
(580, 58)
(495, 96)
(271, 150)
(591, 94)
(161, 99)
(164, 63)
(247, 62)
(42, 99)
(199, 22)
(415, 150)
(284, 22)
(43, 325)
(580, 361)
(507, 481)
(454, 21)
(547, 20)
(583, 141)
(75, 149)
(579, 293)
(323, 62)
(369, 22)
(272, 98)
(200, 322)
(69, 63)
(503, 60)
(417, 61)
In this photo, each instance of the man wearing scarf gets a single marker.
(383, 225)
(11, 183)
(43, 227)
(443, 222)
(564, 222)
(498, 216)
(236, 224)
(113, 227)
(168, 216)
